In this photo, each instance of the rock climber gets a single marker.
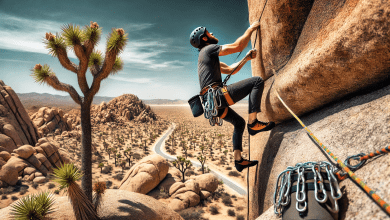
(209, 72)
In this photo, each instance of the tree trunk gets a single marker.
(86, 149)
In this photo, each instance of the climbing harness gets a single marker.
(301, 173)
(362, 184)
(362, 158)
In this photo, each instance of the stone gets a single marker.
(176, 186)
(39, 179)
(25, 151)
(11, 132)
(145, 175)
(5, 155)
(184, 197)
(54, 158)
(204, 194)
(48, 148)
(7, 143)
(34, 161)
(2, 162)
(40, 150)
(9, 173)
(65, 158)
(44, 170)
(37, 174)
(207, 182)
(29, 170)
(31, 177)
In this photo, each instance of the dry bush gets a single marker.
(214, 209)
(231, 212)
(234, 173)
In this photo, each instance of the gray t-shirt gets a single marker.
(209, 70)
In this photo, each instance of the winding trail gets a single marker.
(226, 180)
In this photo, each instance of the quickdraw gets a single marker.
(362, 158)
(284, 186)
(211, 107)
(383, 204)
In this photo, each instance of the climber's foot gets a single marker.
(243, 163)
(259, 126)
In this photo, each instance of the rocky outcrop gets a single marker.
(189, 194)
(53, 120)
(31, 163)
(116, 205)
(330, 61)
(145, 175)
(121, 109)
(16, 128)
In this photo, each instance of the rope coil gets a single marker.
(210, 107)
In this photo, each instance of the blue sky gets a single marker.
(159, 62)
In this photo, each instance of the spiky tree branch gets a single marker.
(46, 75)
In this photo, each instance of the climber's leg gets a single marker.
(239, 126)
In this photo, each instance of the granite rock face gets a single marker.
(121, 109)
(16, 128)
(53, 120)
(330, 62)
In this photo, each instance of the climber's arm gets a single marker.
(225, 69)
(240, 43)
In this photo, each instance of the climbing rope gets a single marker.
(362, 158)
(360, 182)
(319, 186)
(247, 174)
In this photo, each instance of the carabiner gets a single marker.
(355, 157)
(321, 183)
(301, 177)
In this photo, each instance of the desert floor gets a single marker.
(138, 138)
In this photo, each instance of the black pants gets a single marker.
(253, 87)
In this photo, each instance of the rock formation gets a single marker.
(16, 128)
(330, 61)
(116, 205)
(145, 175)
(121, 109)
(30, 163)
(53, 120)
(190, 193)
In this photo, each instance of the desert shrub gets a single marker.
(228, 168)
(227, 200)
(108, 184)
(240, 217)
(51, 185)
(233, 173)
(190, 173)
(231, 212)
(192, 214)
(136, 156)
(35, 185)
(57, 191)
(118, 176)
(214, 209)
(163, 193)
(240, 208)
(14, 198)
(115, 187)
(234, 196)
(22, 190)
(4, 196)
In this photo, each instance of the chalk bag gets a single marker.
(307, 191)
(196, 106)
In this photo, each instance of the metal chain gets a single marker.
(283, 186)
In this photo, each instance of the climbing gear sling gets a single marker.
(300, 180)
(385, 206)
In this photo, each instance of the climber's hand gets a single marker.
(255, 25)
(251, 54)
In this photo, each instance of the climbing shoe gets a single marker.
(243, 163)
(258, 126)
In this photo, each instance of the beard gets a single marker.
(213, 40)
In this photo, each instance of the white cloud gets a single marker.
(134, 80)
(27, 35)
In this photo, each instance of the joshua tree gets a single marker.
(98, 188)
(128, 155)
(123, 165)
(66, 176)
(184, 148)
(182, 165)
(202, 160)
(109, 151)
(115, 155)
(82, 42)
(101, 165)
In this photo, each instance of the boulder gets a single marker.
(145, 175)
(207, 182)
(184, 197)
(25, 151)
(29, 170)
(5, 155)
(39, 179)
(9, 173)
(173, 176)
(7, 143)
